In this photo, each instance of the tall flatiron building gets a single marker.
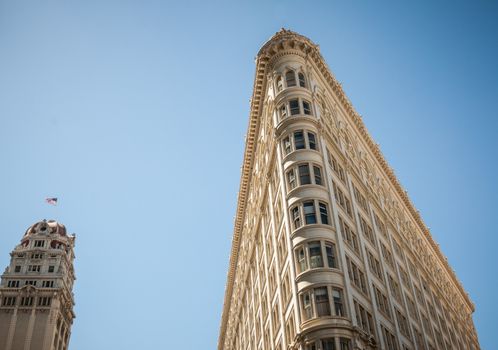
(36, 299)
(328, 251)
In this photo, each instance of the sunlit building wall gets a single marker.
(328, 252)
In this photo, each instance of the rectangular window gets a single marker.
(312, 141)
(27, 301)
(283, 111)
(374, 265)
(394, 286)
(299, 140)
(336, 167)
(307, 308)
(17, 268)
(306, 108)
(13, 284)
(404, 276)
(367, 230)
(287, 145)
(36, 256)
(294, 107)
(30, 283)
(342, 200)
(315, 251)
(318, 175)
(338, 303)
(304, 174)
(39, 244)
(380, 225)
(357, 276)
(290, 78)
(388, 257)
(301, 259)
(44, 301)
(309, 213)
(296, 217)
(349, 236)
(51, 268)
(34, 268)
(330, 250)
(389, 339)
(322, 302)
(345, 344)
(402, 323)
(291, 179)
(382, 302)
(48, 284)
(411, 307)
(364, 318)
(360, 199)
(324, 216)
(328, 344)
(9, 301)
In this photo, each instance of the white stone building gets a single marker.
(328, 252)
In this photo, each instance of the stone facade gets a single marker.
(328, 252)
(36, 299)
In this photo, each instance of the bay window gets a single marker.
(306, 174)
(295, 106)
(315, 254)
(317, 302)
(306, 212)
(299, 139)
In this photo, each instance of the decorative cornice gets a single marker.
(282, 43)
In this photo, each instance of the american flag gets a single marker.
(52, 201)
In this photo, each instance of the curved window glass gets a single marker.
(322, 301)
(299, 139)
(290, 78)
(315, 254)
(294, 107)
(306, 212)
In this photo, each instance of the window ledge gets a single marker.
(302, 187)
(310, 226)
(295, 118)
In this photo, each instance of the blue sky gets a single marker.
(134, 113)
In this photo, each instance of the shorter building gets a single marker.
(36, 299)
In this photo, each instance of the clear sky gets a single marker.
(134, 113)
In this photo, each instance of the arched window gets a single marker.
(290, 78)
(302, 82)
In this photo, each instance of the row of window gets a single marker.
(36, 268)
(330, 344)
(291, 79)
(304, 174)
(295, 106)
(309, 213)
(17, 283)
(299, 139)
(321, 302)
(26, 301)
(315, 254)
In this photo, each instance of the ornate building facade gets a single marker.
(36, 299)
(328, 251)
